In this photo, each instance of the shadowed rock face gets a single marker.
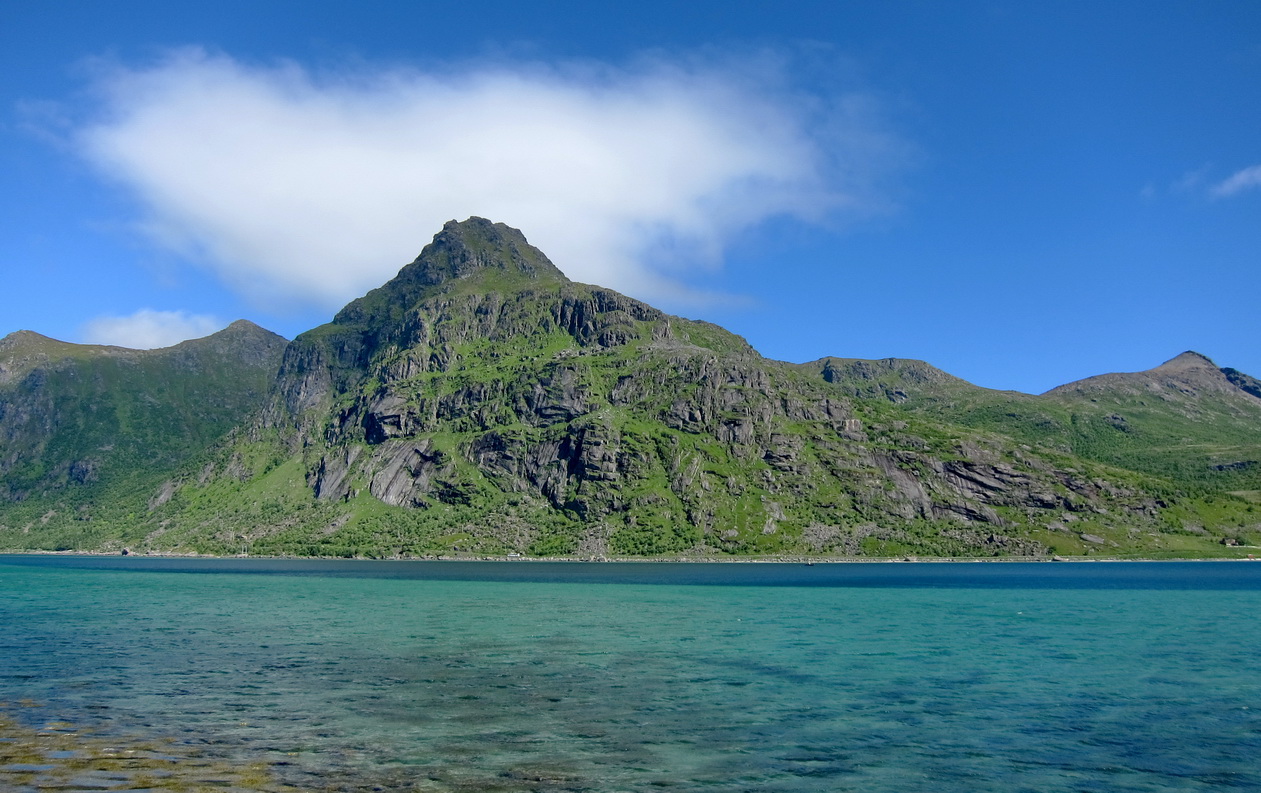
(1246, 383)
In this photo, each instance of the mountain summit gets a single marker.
(463, 248)
(1186, 376)
(491, 255)
(1187, 361)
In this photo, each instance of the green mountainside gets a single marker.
(482, 403)
(88, 433)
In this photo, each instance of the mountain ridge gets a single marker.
(1185, 372)
(482, 402)
(79, 422)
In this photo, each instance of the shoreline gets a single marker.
(521, 558)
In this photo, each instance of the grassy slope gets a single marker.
(91, 432)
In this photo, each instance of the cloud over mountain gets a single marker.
(148, 329)
(306, 188)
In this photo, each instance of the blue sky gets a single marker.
(1022, 194)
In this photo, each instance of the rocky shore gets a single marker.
(56, 755)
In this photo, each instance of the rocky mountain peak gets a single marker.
(463, 248)
(242, 341)
(23, 338)
(1189, 376)
(474, 250)
(244, 331)
(1186, 362)
(24, 349)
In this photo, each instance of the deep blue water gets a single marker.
(968, 575)
(630, 677)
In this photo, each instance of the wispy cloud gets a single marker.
(148, 329)
(1192, 181)
(1246, 179)
(300, 188)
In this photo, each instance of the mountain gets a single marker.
(1184, 379)
(481, 402)
(1187, 420)
(87, 429)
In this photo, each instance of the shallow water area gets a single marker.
(59, 756)
(515, 676)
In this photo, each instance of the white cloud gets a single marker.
(306, 189)
(147, 329)
(1247, 179)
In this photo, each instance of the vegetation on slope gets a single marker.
(90, 432)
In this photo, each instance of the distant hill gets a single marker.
(481, 402)
(1186, 419)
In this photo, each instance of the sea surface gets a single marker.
(522, 676)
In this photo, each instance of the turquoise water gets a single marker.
(1107, 677)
